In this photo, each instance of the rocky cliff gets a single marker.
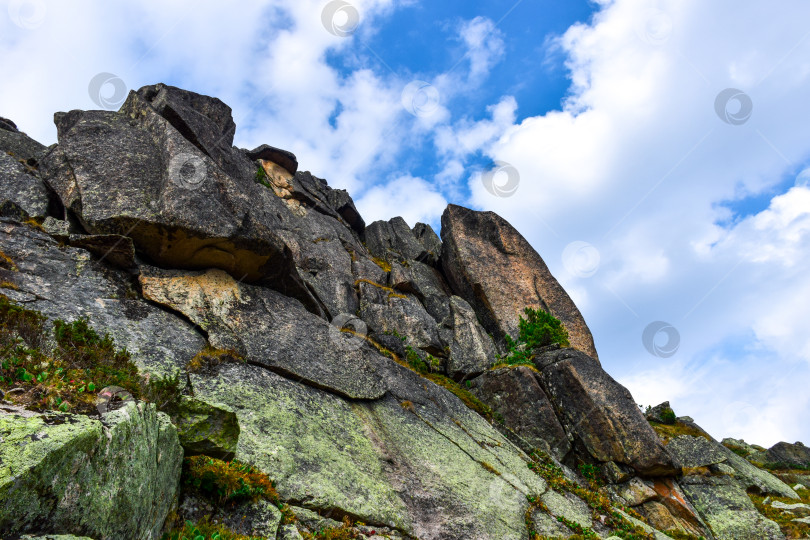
(201, 341)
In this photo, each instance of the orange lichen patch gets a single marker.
(278, 178)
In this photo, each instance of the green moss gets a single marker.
(382, 264)
(211, 357)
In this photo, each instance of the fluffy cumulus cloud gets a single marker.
(412, 198)
(653, 165)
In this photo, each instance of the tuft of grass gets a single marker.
(210, 357)
(228, 481)
(347, 531)
(6, 262)
(667, 432)
(382, 263)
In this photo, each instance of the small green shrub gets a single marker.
(668, 416)
(261, 177)
(537, 329)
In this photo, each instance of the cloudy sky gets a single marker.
(655, 153)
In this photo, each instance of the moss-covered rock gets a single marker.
(205, 428)
(728, 511)
(111, 478)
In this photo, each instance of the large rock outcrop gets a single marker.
(491, 265)
(111, 478)
(352, 364)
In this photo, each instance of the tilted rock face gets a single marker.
(518, 397)
(489, 264)
(114, 478)
(600, 412)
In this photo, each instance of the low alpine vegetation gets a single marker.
(538, 329)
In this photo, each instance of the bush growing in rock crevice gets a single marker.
(538, 329)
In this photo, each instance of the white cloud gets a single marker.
(412, 198)
(638, 164)
(484, 43)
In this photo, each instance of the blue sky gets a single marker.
(652, 195)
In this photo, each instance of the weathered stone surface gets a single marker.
(788, 455)
(489, 264)
(471, 349)
(115, 478)
(659, 517)
(18, 144)
(426, 284)
(516, 395)
(385, 463)
(133, 173)
(205, 428)
(270, 153)
(393, 239)
(751, 477)
(727, 509)
(21, 185)
(672, 496)
(206, 122)
(600, 412)
(426, 236)
(386, 311)
(114, 249)
(688, 451)
(636, 492)
(66, 283)
(270, 330)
